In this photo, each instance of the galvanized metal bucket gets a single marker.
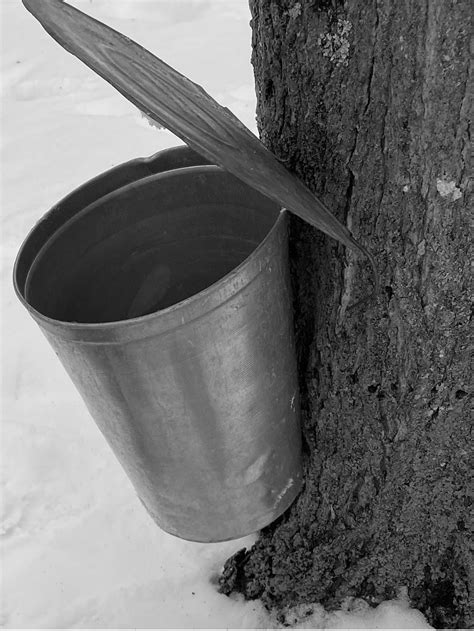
(163, 287)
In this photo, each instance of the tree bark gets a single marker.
(367, 102)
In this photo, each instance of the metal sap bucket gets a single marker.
(164, 290)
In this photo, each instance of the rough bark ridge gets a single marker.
(367, 102)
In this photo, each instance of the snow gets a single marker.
(78, 549)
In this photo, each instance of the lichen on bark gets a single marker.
(385, 403)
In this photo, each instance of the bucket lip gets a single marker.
(117, 325)
(63, 227)
(130, 172)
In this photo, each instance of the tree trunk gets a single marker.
(367, 102)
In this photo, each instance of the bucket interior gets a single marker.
(147, 246)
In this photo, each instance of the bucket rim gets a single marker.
(73, 328)
(128, 172)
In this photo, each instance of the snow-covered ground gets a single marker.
(78, 549)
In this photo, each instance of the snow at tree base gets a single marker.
(78, 549)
